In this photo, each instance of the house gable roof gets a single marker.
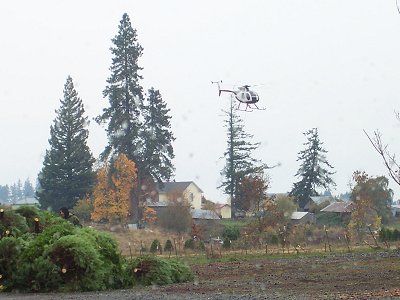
(298, 215)
(338, 207)
(177, 187)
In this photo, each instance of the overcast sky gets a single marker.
(332, 64)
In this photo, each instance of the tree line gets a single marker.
(16, 191)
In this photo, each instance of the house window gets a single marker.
(191, 197)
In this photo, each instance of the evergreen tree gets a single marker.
(314, 170)
(140, 131)
(67, 173)
(4, 193)
(239, 161)
(28, 190)
(14, 193)
(157, 138)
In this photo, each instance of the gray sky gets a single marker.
(332, 64)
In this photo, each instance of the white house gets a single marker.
(224, 210)
(187, 189)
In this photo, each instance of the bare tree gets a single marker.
(389, 159)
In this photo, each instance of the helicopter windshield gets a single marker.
(254, 96)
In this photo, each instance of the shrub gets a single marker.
(12, 224)
(80, 264)
(10, 249)
(63, 257)
(231, 233)
(155, 247)
(150, 270)
(168, 246)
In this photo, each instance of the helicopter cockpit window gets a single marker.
(248, 96)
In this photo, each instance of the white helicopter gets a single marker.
(243, 95)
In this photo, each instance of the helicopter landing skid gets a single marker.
(250, 108)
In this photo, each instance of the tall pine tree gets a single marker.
(157, 138)
(239, 161)
(139, 130)
(28, 190)
(314, 170)
(67, 173)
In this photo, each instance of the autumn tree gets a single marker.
(112, 193)
(149, 215)
(83, 208)
(273, 212)
(67, 174)
(252, 192)
(137, 127)
(372, 199)
(239, 158)
(314, 170)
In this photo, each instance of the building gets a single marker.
(302, 217)
(317, 200)
(223, 210)
(168, 191)
(395, 208)
(340, 209)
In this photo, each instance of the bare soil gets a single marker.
(373, 275)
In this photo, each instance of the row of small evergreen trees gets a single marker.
(16, 191)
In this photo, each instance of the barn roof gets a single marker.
(177, 187)
(298, 215)
(338, 207)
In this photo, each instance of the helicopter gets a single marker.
(243, 95)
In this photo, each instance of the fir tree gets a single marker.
(4, 193)
(28, 190)
(157, 138)
(238, 155)
(314, 170)
(125, 96)
(140, 131)
(67, 174)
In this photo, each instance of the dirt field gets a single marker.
(373, 275)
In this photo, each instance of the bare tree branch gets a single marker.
(388, 159)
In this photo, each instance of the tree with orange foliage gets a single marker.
(113, 191)
(372, 199)
(149, 215)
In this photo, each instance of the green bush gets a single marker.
(168, 246)
(151, 270)
(63, 257)
(231, 233)
(80, 263)
(13, 224)
(10, 250)
(189, 244)
(329, 219)
(155, 247)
